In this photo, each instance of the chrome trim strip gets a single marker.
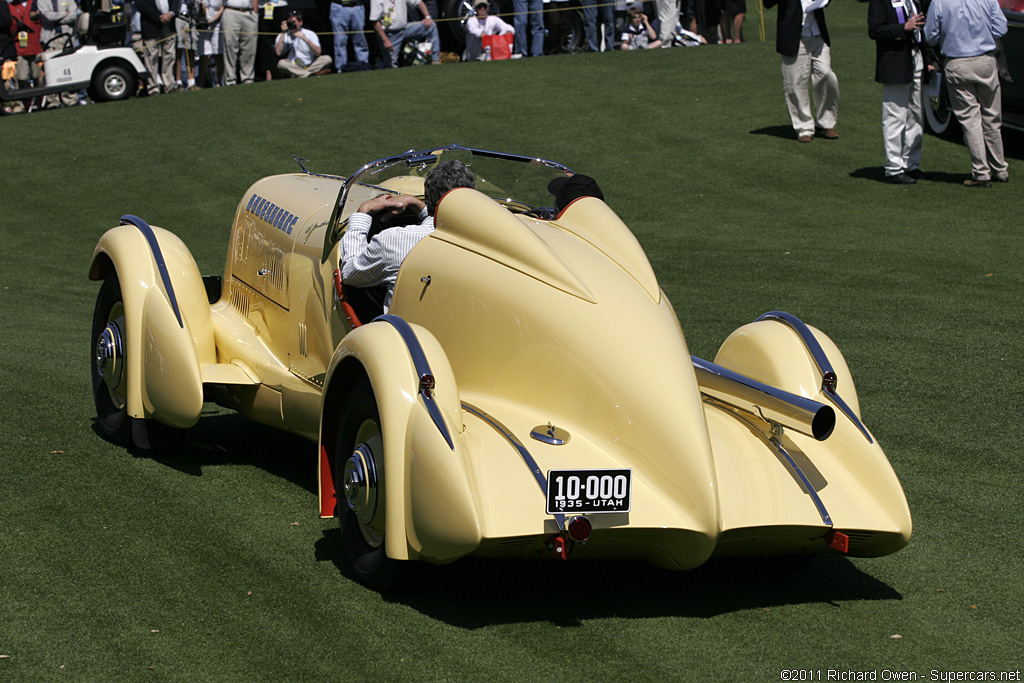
(523, 453)
(158, 255)
(828, 375)
(419, 361)
(774, 440)
(806, 482)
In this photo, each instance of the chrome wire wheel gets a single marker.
(109, 362)
(361, 480)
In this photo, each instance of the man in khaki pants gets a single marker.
(966, 33)
(238, 25)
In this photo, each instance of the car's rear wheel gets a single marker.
(360, 479)
(112, 83)
(109, 362)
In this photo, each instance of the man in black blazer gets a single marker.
(802, 40)
(895, 26)
(158, 42)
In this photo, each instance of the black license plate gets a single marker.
(588, 491)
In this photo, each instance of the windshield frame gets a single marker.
(422, 159)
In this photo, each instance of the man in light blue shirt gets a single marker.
(966, 33)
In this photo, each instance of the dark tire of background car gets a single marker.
(938, 114)
(371, 565)
(112, 83)
(111, 419)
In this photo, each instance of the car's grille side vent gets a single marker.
(240, 300)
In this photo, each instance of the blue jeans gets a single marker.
(593, 16)
(535, 19)
(416, 31)
(349, 20)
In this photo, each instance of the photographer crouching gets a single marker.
(300, 49)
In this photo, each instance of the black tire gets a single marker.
(455, 12)
(108, 364)
(362, 526)
(569, 37)
(112, 83)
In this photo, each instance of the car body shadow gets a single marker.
(474, 593)
(231, 439)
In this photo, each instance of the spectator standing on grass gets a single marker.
(598, 22)
(668, 17)
(186, 45)
(211, 46)
(802, 40)
(58, 19)
(895, 26)
(7, 51)
(27, 30)
(390, 20)
(348, 19)
(529, 26)
(966, 32)
(734, 12)
(299, 49)
(482, 24)
(158, 44)
(238, 26)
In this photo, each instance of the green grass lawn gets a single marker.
(210, 563)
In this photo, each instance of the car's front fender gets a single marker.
(169, 328)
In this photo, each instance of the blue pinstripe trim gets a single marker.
(523, 453)
(419, 361)
(821, 360)
(158, 256)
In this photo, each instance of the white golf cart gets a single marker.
(101, 65)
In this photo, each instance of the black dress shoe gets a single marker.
(900, 179)
(917, 174)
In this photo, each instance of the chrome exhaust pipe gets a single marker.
(764, 401)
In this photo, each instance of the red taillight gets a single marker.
(579, 529)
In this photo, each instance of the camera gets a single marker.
(195, 13)
(292, 24)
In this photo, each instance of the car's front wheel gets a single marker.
(360, 479)
(109, 362)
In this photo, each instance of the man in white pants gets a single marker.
(802, 40)
(895, 26)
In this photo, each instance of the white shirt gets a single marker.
(393, 15)
(297, 50)
(476, 29)
(367, 264)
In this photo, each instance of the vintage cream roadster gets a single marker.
(529, 393)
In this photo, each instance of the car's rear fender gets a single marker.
(167, 315)
(431, 513)
(781, 351)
